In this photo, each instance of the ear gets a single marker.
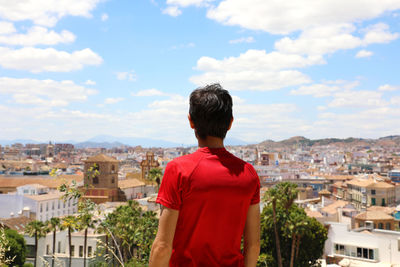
(191, 122)
(230, 124)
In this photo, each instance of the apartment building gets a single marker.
(370, 192)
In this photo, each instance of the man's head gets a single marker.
(211, 111)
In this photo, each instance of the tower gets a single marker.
(101, 178)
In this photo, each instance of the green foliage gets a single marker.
(134, 231)
(300, 238)
(4, 248)
(27, 264)
(17, 245)
(155, 175)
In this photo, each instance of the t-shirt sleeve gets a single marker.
(256, 195)
(169, 194)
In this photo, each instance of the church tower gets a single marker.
(101, 178)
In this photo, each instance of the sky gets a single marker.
(75, 69)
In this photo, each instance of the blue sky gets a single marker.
(75, 69)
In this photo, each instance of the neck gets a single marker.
(211, 142)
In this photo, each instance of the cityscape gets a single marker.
(351, 186)
(94, 102)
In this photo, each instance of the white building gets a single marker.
(45, 248)
(363, 247)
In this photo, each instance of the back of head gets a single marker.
(211, 111)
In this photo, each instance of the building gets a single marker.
(31, 201)
(376, 219)
(394, 176)
(101, 178)
(364, 193)
(362, 247)
(45, 248)
(147, 164)
(135, 189)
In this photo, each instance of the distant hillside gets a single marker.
(300, 140)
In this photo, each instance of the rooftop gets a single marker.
(101, 158)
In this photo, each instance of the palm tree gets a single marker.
(155, 174)
(53, 225)
(70, 223)
(282, 197)
(36, 229)
(85, 221)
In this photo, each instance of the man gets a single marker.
(210, 198)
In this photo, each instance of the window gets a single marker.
(41, 207)
(59, 247)
(64, 204)
(89, 251)
(388, 226)
(112, 169)
(95, 180)
(59, 204)
(52, 205)
(383, 202)
(373, 201)
(380, 225)
(47, 249)
(80, 251)
(47, 206)
(112, 180)
(373, 192)
(73, 251)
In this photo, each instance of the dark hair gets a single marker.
(211, 111)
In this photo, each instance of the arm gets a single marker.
(162, 245)
(252, 236)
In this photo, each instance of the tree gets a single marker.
(4, 248)
(85, 221)
(53, 225)
(36, 229)
(69, 223)
(155, 175)
(284, 227)
(17, 245)
(133, 231)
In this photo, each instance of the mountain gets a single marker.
(231, 141)
(106, 145)
(134, 141)
(21, 141)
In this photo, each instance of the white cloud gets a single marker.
(378, 34)
(326, 39)
(356, 99)
(149, 92)
(43, 92)
(38, 35)
(255, 70)
(39, 60)
(395, 100)
(90, 82)
(45, 12)
(113, 100)
(173, 11)
(364, 53)
(372, 122)
(127, 75)
(104, 17)
(327, 88)
(388, 88)
(249, 39)
(316, 90)
(6, 27)
(283, 17)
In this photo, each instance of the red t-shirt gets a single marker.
(212, 189)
